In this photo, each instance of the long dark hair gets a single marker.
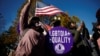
(33, 21)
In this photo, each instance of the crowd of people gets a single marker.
(33, 40)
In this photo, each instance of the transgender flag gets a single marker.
(43, 9)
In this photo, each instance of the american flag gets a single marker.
(43, 9)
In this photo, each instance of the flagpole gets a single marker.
(35, 7)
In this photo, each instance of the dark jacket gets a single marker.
(81, 45)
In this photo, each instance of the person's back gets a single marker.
(29, 45)
(32, 42)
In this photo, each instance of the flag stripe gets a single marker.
(48, 10)
(46, 14)
(47, 7)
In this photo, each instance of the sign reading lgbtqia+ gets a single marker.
(62, 39)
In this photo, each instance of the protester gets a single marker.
(96, 34)
(80, 46)
(50, 49)
(32, 41)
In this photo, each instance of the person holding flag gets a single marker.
(32, 40)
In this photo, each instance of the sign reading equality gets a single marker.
(62, 39)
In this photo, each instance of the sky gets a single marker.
(84, 9)
(9, 8)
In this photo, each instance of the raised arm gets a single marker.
(24, 16)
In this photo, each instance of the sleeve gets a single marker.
(87, 34)
(77, 36)
(24, 17)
